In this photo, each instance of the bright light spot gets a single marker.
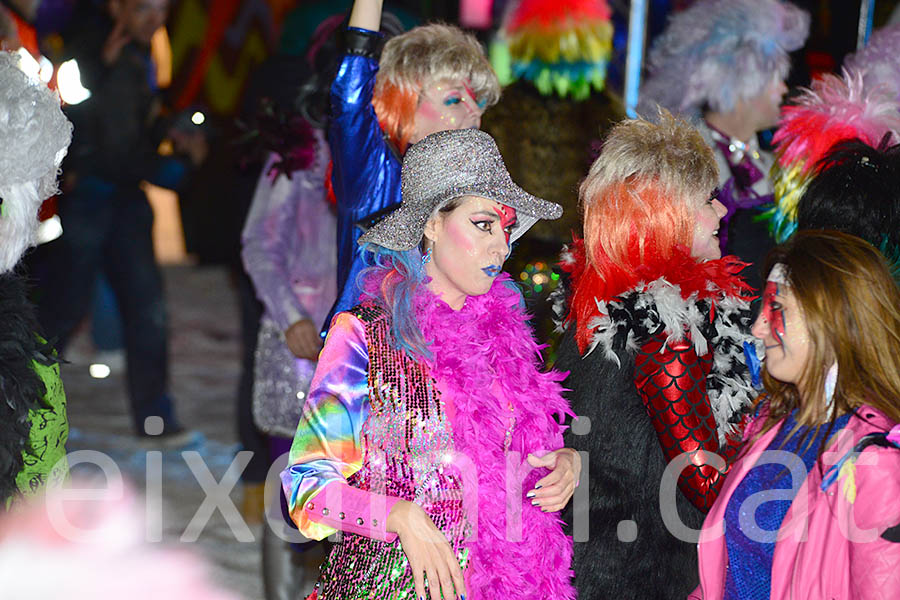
(198, 118)
(99, 371)
(540, 279)
(46, 69)
(28, 65)
(523, 276)
(49, 230)
(538, 288)
(68, 81)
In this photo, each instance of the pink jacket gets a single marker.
(841, 555)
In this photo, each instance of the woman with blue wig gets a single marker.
(431, 438)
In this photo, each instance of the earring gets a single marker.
(830, 383)
(426, 258)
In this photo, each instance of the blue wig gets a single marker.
(392, 279)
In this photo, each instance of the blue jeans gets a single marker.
(107, 227)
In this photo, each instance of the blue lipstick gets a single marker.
(491, 271)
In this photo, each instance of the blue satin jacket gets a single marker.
(366, 172)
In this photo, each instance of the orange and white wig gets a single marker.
(422, 56)
(640, 197)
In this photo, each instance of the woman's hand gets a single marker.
(303, 339)
(428, 551)
(552, 493)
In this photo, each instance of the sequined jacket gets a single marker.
(366, 173)
(449, 432)
(372, 431)
(850, 545)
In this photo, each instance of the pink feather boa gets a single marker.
(488, 343)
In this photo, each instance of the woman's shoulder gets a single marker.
(347, 324)
(367, 312)
(869, 419)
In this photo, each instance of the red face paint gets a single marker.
(772, 311)
(471, 94)
(507, 216)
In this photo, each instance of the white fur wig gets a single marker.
(879, 60)
(717, 52)
(34, 138)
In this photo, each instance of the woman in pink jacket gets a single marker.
(812, 507)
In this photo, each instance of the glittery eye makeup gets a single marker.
(507, 216)
(773, 311)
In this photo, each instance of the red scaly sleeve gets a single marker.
(671, 380)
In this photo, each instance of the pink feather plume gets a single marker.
(831, 110)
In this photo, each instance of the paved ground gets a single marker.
(205, 363)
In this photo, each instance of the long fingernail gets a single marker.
(529, 495)
(534, 502)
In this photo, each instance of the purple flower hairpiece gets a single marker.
(285, 133)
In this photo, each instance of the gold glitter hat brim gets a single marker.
(448, 165)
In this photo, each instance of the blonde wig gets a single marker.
(641, 195)
(419, 57)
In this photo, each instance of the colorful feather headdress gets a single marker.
(560, 46)
(717, 52)
(879, 60)
(832, 110)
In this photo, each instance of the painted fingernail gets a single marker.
(534, 502)
(529, 495)
(537, 487)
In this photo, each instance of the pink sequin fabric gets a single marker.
(460, 455)
(409, 454)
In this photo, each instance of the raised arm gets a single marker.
(671, 381)
(363, 161)
(366, 14)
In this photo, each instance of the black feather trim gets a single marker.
(21, 389)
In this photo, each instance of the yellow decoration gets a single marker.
(586, 42)
(789, 186)
(848, 475)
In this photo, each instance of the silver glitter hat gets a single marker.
(448, 165)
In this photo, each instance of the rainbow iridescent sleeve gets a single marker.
(327, 447)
